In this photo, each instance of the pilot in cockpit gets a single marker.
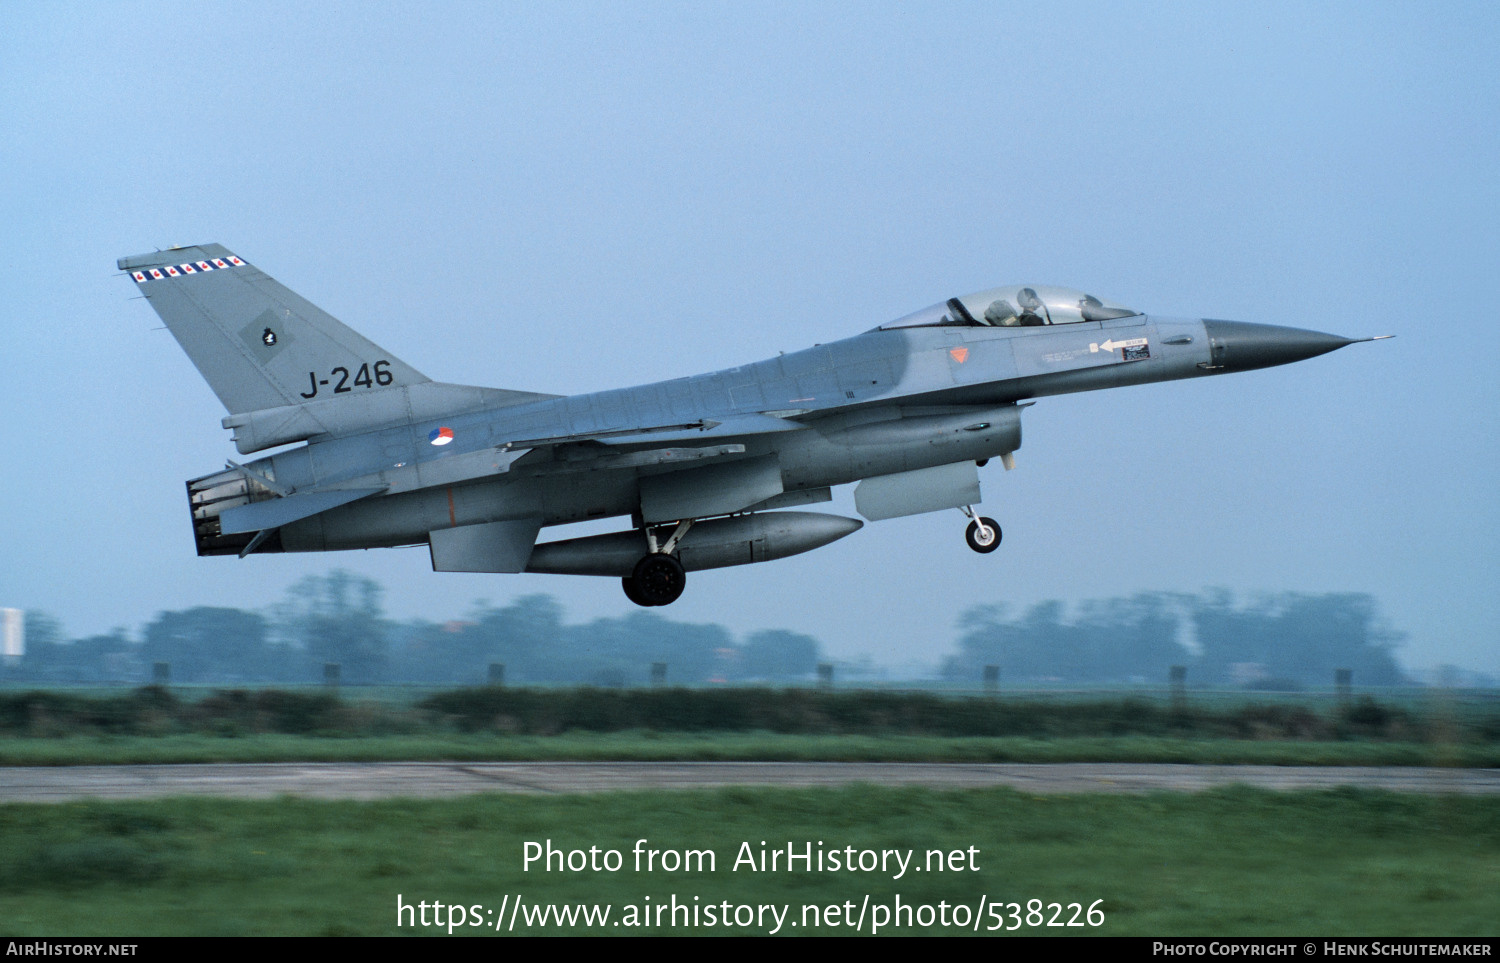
(1001, 314)
(1030, 305)
(1013, 307)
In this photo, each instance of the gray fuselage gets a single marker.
(881, 402)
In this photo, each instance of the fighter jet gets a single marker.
(704, 467)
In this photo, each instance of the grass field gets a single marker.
(729, 746)
(1235, 861)
(155, 725)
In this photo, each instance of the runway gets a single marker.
(42, 784)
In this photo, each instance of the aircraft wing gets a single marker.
(733, 426)
(705, 477)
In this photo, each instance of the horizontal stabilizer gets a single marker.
(259, 516)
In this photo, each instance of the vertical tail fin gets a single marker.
(256, 343)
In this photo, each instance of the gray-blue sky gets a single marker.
(572, 197)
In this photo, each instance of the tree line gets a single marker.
(1280, 641)
(1276, 641)
(337, 618)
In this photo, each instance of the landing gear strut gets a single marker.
(983, 534)
(659, 577)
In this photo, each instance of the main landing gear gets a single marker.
(983, 534)
(659, 577)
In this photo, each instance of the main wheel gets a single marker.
(633, 591)
(983, 535)
(659, 579)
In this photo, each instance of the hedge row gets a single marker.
(155, 710)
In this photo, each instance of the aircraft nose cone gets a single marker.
(1242, 346)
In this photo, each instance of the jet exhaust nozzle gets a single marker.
(210, 496)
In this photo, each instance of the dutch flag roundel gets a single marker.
(440, 436)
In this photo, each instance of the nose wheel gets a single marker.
(983, 535)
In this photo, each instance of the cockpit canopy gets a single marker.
(1015, 306)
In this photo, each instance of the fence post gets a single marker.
(1343, 682)
(1178, 678)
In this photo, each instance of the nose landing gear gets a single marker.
(983, 534)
